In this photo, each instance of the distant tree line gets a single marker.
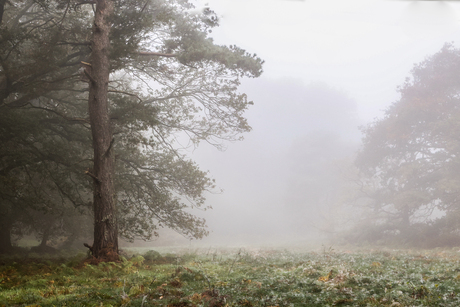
(409, 165)
(94, 97)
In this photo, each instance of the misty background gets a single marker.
(331, 66)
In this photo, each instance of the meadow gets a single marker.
(237, 277)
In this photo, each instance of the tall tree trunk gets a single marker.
(46, 236)
(404, 226)
(2, 9)
(105, 244)
(5, 234)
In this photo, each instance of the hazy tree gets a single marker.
(41, 127)
(318, 181)
(40, 51)
(65, 227)
(411, 155)
(40, 168)
(318, 154)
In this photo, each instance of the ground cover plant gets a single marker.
(244, 277)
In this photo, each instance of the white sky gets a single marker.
(364, 47)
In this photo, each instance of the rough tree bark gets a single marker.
(2, 9)
(105, 244)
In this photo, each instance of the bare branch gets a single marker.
(87, 74)
(92, 2)
(74, 43)
(87, 172)
(72, 119)
(126, 93)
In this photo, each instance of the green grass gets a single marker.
(238, 278)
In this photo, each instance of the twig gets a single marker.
(87, 172)
(205, 275)
(89, 76)
(231, 267)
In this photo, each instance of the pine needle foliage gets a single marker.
(169, 85)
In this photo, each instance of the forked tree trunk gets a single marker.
(105, 244)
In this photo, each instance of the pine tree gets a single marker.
(152, 76)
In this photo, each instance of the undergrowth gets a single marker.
(239, 278)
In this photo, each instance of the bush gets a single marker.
(152, 256)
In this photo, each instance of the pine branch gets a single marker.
(126, 93)
(88, 75)
(74, 43)
(71, 119)
(148, 53)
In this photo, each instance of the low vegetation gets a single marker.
(242, 277)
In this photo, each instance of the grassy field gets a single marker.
(241, 277)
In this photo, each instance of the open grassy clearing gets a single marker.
(238, 278)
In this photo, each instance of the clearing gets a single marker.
(238, 277)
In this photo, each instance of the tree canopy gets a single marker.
(411, 156)
(168, 85)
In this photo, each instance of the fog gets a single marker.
(259, 174)
(331, 66)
